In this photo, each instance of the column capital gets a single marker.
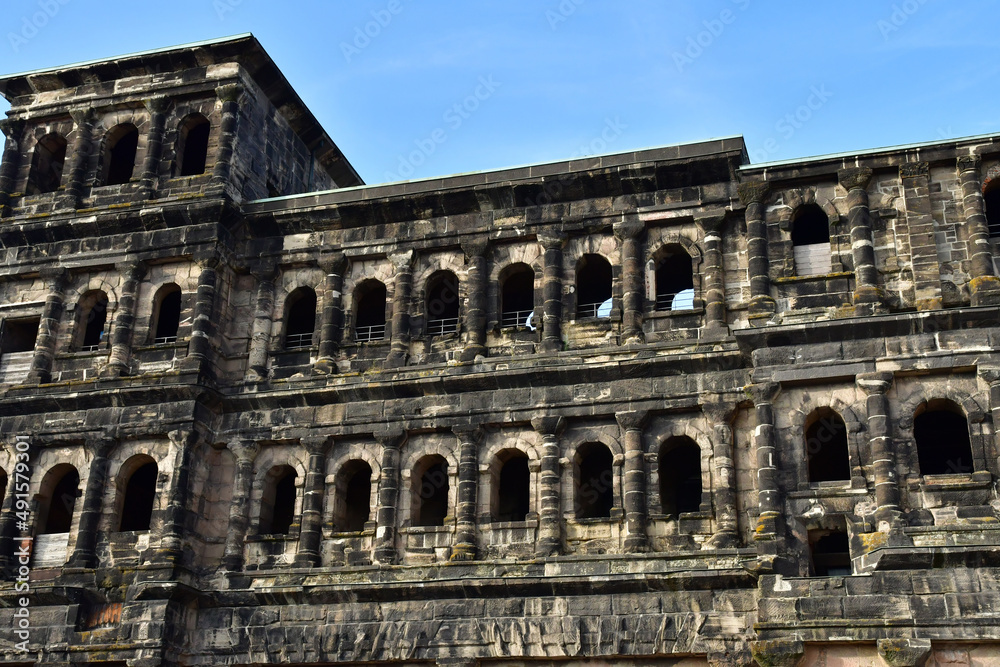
(711, 222)
(57, 276)
(633, 420)
(264, 269)
(157, 104)
(762, 392)
(244, 450)
(391, 438)
(402, 260)
(991, 374)
(132, 269)
(629, 227)
(548, 426)
(968, 163)
(874, 383)
(855, 177)
(208, 260)
(468, 432)
(474, 247)
(12, 128)
(83, 116)
(753, 192)
(315, 444)
(333, 262)
(914, 169)
(184, 437)
(552, 240)
(102, 444)
(230, 92)
(719, 412)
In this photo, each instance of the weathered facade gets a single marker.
(655, 408)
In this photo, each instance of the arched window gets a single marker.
(47, 165)
(300, 318)
(192, 145)
(166, 314)
(140, 491)
(512, 497)
(442, 304)
(369, 311)
(120, 145)
(992, 202)
(517, 297)
(353, 499)
(831, 553)
(680, 476)
(593, 287)
(811, 241)
(595, 489)
(60, 488)
(826, 447)
(942, 434)
(277, 505)
(429, 497)
(674, 280)
(93, 318)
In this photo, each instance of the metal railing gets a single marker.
(298, 341)
(683, 300)
(90, 348)
(163, 340)
(368, 334)
(601, 309)
(442, 326)
(512, 319)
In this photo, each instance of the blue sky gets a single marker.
(414, 89)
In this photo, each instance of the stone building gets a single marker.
(655, 408)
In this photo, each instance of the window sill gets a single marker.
(953, 482)
(279, 537)
(657, 314)
(820, 276)
(422, 530)
(846, 487)
(513, 525)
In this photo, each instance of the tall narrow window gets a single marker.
(674, 282)
(18, 335)
(942, 434)
(992, 197)
(300, 318)
(826, 447)
(3, 485)
(277, 507)
(353, 499)
(60, 498)
(429, 498)
(680, 476)
(369, 311)
(594, 481)
(442, 304)
(167, 315)
(47, 165)
(93, 318)
(120, 145)
(831, 553)
(192, 145)
(513, 494)
(811, 241)
(517, 297)
(593, 287)
(140, 491)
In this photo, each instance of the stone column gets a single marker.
(13, 131)
(888, 513)
(475, 314)
(85, 553)
(714, 281)
(991, 375)
(634, 502)
(388, 495)
(868, 297)
(720, 416)
(202, 328)
(79, 157)
(244, 451)
(157, 108)
(550, 515)
(260, 336)
(399, 350)
(552, 289)
(920, 228)
(332, 324)
(468, 474)
(904, 652)
(762, 306)
(8, 516)
(172, 542)
(230, 96)
(984, 283)
(629, 233)
(770, 522)
(132, 273)
(48, 326)
(310, 533)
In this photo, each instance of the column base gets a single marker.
(724, 540)
(985, 291)
(463, 552)
(761, 310)
(471, 352)
(635, 544)
(385, 555)
(633, 338)
(307, 560)
(547, 547)
(233, 563)
(396, 359)
(551, 345)
(112, 371)
(325, 366)
(86, 562)
(38, 377)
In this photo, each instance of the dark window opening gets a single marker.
(120, 150)
(3, 486)
(442, 304)
(301, 319)
(992, 203)
(47, 165)
(369, 319)
(192, 148)
(95, 317)
(168, 315)
(595, 482)
(831, 553)
(514, 492)
(826, 448)
(674, 282)
(278, 503)
(61, 502)
(593, 287)
(811, 241)
(680, 476)
(18, 335)
(355, 491)
(431, 494)
(140, 491)
(942, 435)
(517, 298)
